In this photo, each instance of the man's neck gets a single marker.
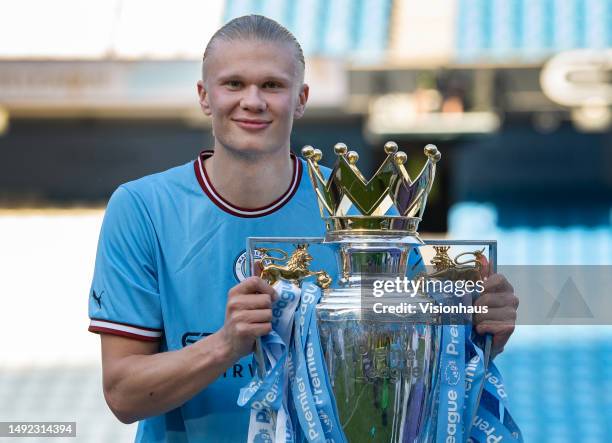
(249, 181)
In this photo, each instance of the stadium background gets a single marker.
(516, 94)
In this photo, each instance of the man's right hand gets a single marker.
(248, 315)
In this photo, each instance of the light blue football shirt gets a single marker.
(170, 249)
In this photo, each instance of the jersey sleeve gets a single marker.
(124, 298)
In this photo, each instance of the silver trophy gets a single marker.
(382, 368)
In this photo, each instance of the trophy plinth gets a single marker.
(382, 370)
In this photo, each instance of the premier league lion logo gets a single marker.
(262, 437)
(451, 373)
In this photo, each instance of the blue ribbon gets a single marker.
(294, 358)
(294, 401)
(451, 415)
(463, 374)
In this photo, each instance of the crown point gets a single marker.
(340, 149)
(400, 158)
(307, 151)
(352, 157)
(432, 152)
(390, 148)
(317, 155)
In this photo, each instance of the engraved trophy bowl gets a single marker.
(382, 369)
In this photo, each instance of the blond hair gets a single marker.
(255, 27)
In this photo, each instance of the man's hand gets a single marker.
(501, 316)
(248, 315)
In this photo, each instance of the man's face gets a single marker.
(252, 90)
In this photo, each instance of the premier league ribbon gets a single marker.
(472, 401)
(451, 410)
(492, 422)
(293, 402)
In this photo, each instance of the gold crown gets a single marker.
(346, 191)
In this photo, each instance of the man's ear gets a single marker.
(302, 99)
(203, 98)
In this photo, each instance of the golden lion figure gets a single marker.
(453, 269)
(295, 269)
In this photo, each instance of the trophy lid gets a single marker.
(388, 205)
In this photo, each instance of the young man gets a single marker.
(176, 316)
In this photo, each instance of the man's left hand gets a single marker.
(500, 319)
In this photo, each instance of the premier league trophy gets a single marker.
(340, 366)
(382, 368)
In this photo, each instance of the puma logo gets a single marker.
(97, 298)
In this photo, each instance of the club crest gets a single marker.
(242, 262)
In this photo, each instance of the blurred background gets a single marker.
(517, 94)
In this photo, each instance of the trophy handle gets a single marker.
(253, 250)
(489, 268)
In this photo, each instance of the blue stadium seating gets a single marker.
(557, 243)
(530, 30)
(351, 28)
(559, 378)
(502, 30)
